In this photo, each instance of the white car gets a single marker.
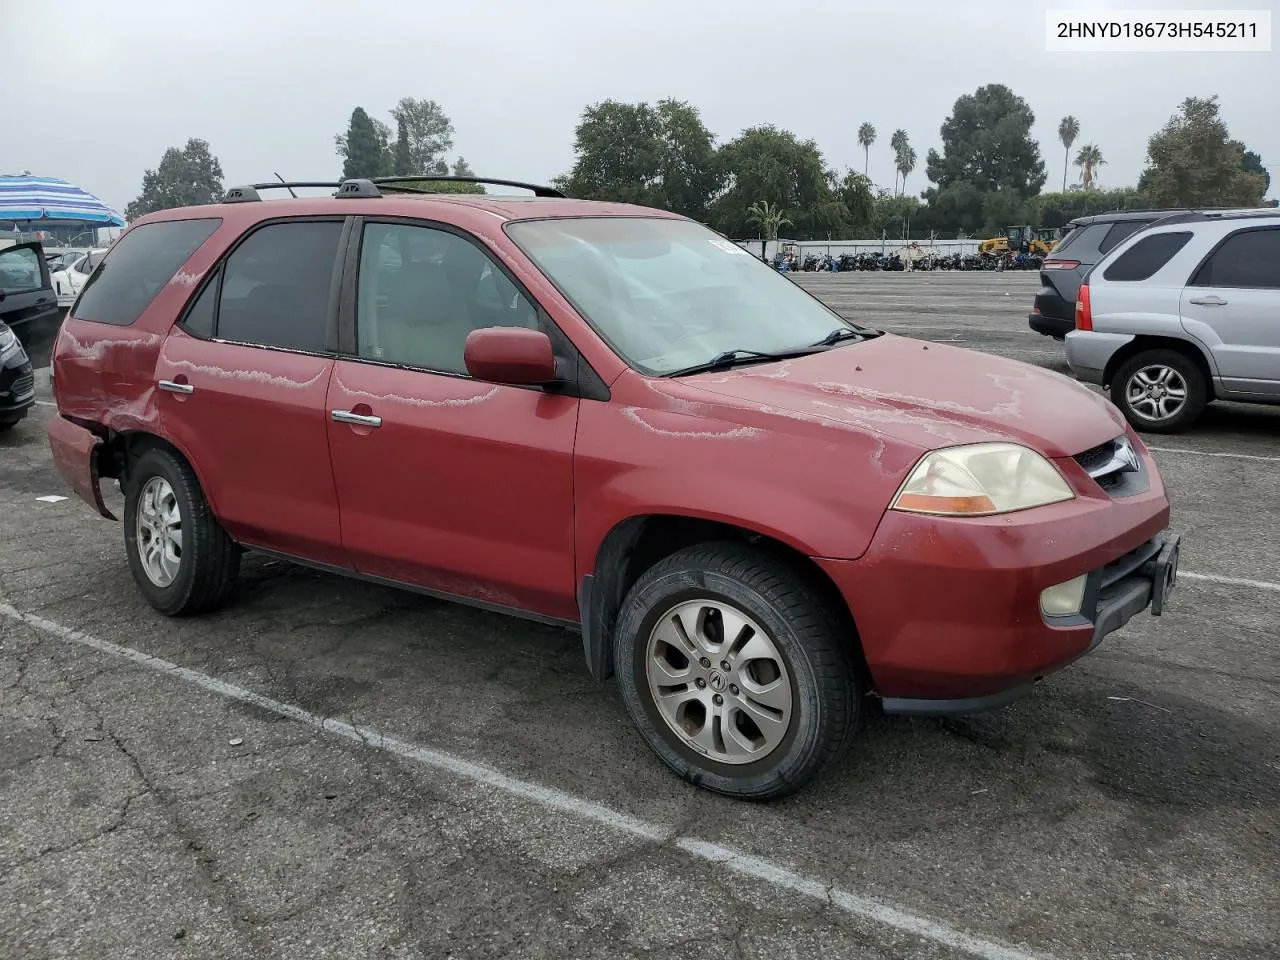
(69, 278)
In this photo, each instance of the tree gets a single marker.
(866, 137)
(1068, 130)
(906, 163)
(184, 178)
(462, 169)
(987, 142)
(659, 156)
(765, 163)
(769, 219)
(897, 143)
(1252, 163)
(1088, 160)
(429, 133)
(403, 165)
(858, 198)
(1193, 162)
(364, 147)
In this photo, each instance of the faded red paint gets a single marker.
(505, 494)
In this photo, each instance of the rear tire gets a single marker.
(1160, 391)
(181, 558)
(788, 702)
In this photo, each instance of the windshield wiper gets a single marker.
(734, 358)
(847, 333)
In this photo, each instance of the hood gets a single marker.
(927, 394)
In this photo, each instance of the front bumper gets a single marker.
(948, 611)
(17, 387)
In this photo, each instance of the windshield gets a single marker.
(670, 294)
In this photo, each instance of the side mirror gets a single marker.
(511, 355)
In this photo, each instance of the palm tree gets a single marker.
(1089, 159)
(866, 137)
(1068, 130)
(906, 163)
(897, 143)
(770, 220)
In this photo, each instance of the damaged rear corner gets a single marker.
(77, 453)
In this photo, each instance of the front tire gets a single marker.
(1160, 391)
(735, 670)
(182, 559)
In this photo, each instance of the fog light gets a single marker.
(1064, 599)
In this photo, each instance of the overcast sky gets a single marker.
(97, 90)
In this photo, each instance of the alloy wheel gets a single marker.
(159, 532)
(719, 681)
(1156, 393)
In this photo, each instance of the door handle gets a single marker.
(359, 419)
(173, 387)
(1209, 301)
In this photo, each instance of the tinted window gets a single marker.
(137, 268)
(1121, 230)
(275, 286)
(422, 290)
(20, 271)
(1082, 241)
(1144, 258)
(199, 318)
(1250, 258)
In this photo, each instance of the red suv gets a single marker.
(758, 514)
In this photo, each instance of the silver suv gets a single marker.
(1182, 313)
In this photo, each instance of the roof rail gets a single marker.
(342, 188)
(391, 182)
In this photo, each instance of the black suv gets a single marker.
(1088, 240)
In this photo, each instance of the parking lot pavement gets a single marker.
(249, 804)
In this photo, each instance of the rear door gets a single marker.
(26, 290)
(1232, 305)
(241, 384)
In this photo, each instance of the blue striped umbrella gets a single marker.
(50, 201)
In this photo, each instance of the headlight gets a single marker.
(8, 339)
(981, 479)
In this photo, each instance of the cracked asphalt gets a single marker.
(1129, 808)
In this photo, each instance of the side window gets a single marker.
(275, 286)
(137, 268)
(1250, 258)
(199, 319)
(422, 290)
(1082, 241)
(1121, 230)
(1144, 258)
(20, 271)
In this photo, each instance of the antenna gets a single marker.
(286, 186)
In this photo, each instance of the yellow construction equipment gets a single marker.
(1019, 239)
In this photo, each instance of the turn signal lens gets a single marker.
(981, 479)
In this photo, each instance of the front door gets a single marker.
(26, 290)
(241, 384)
(446, 482)
(1233, 306)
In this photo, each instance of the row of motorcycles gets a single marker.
(826, 263)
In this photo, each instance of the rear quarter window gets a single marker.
(138, 267)
(1082, 242)
(1146, 257)
(1119, 231)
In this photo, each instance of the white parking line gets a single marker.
(724, 857)
(45, 403)
(1211, 453)
(1231, 581)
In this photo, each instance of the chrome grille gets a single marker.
(1109, 463)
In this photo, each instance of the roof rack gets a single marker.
(374, 187)
(1200, 216)
(538, 189)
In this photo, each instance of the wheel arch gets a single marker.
(120, 450)
(1143, 343)
(637, 543)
